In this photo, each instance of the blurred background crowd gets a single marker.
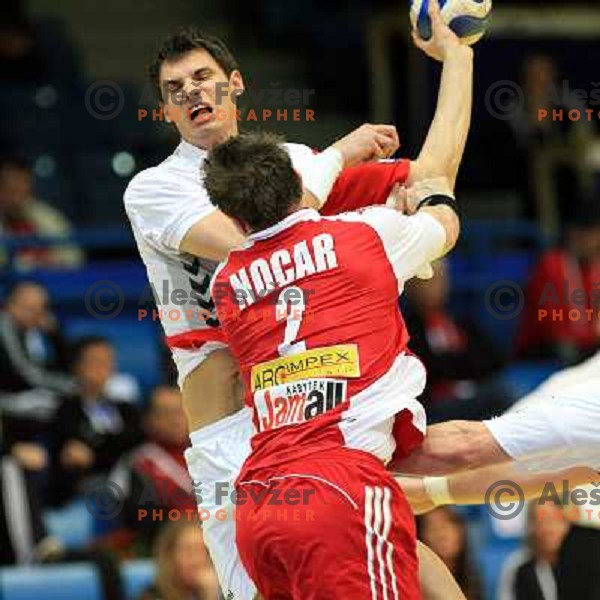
(88, 406)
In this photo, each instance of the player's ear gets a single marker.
(236, 83)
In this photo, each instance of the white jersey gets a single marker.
(557, 426)
(162, 204)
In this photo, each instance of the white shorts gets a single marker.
(214, 462)
(187, 360)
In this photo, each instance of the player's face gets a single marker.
(200, 99)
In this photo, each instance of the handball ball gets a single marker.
(467, 18)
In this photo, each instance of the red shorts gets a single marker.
(335, 525)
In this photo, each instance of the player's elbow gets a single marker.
(452, 228)
(450, 223)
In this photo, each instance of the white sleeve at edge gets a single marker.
(411, 242)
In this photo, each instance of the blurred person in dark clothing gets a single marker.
(530, 574)
(154, 476)
(33, 371)
(183, 567)
(462, 363)
(21, 213)
(24, 539)
(445, 532)
(22, 59)
(566, 278)
(90, 431)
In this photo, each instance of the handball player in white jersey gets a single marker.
(551, 435)
(181, 236)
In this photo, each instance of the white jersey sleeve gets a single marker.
(163, 204)
(555, 434)
(411, 242)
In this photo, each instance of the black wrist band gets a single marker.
(437, 200)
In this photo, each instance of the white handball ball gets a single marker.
(467, 18)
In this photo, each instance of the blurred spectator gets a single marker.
(530, 574)
(445, 532)
(21, 57)
(33, 365)
(23, 536)
(556, 148)
(578, 569)
(184, 570)
(90, 431)
(565, 279)
(154, 477)
(21, 213)
(546, 162)
(461, 362)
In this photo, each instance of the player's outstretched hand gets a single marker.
(443, 41)
(368, 142)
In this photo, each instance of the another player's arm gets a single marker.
(451, 447)
(212, 237)
(471, 487)
(215, 235)
(444, 145)
(434, 197)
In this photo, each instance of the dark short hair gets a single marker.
(12, 161)
(82, 345)
(184, 41)
(15, 287)
(250, 177)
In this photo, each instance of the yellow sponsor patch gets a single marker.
(333, 361)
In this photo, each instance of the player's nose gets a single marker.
(192, 90)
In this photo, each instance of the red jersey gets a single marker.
(356, 187)
(309, 309)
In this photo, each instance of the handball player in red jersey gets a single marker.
(181, 236)
(308, 307)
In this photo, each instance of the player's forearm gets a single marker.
(502, 484)
(444, 146)
(451, 447)
(474, 487)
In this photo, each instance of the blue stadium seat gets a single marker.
(491, 560)
(524, 377)
(56, 582)
(137, 576)
(137, 343)
(69, 288)
(72, 524)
